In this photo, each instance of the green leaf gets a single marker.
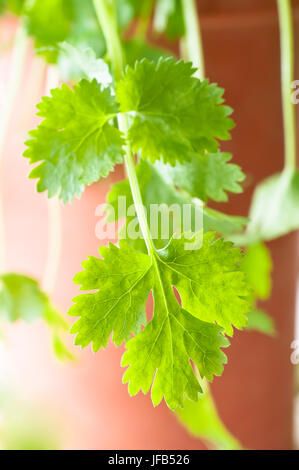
(85, 30)
(275, 208)
(155, 190)
(123, 280)
(209, 280)
(223, 224)
(75, 143)
(136, 49)
(81, 62)
(183, 114)
(21, 298)
(169, 19)
(202, 420)
(49, 22)
(262, 322)
(205, 176)
(122, 285)
(257, 265)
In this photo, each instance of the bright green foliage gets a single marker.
(136, 49)
(202, 420)
(223, 224)
(20, 298)
(49, 22)
(75, 142)
(81, 62)
(275, 208)
(156, 190)
(85, 30)
(123, 280)
(169, 18)
(206, 176)
(14, 6)
(183, 114)
(209, 281)
(257, 265)
(260, 321)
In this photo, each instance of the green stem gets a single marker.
(287, 77)
(106, 13)
(17, 67)
(193, 39)
(144, 18)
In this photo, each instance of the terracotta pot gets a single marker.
(255, 394)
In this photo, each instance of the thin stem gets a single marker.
(135, 189)
(193, 39)
(287, 77)
(54, 214)
(106, 12)
(16, 72)
(144, 18)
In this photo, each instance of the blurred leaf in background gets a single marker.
(22, 299)
(202, 420)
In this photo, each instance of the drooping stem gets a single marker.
(287, 77)
(54, 214)
(193, 40)
(106, 12)
(16, 71)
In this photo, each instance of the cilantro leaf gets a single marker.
(81, 62)
(20, 298)
(202, 420)
(136, 49)
(260, 321)
(123, 280)
(257, 264)
(224, 224)
(275, 208)
(184, 114)
(164, 348)
(85, 31)
(49, 22)
(75, 142)
(155, 190)
(122, 283)
(206, 278)
(206, 176)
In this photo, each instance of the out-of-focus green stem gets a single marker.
(16, 72)
(287, 77)
(193, 40)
